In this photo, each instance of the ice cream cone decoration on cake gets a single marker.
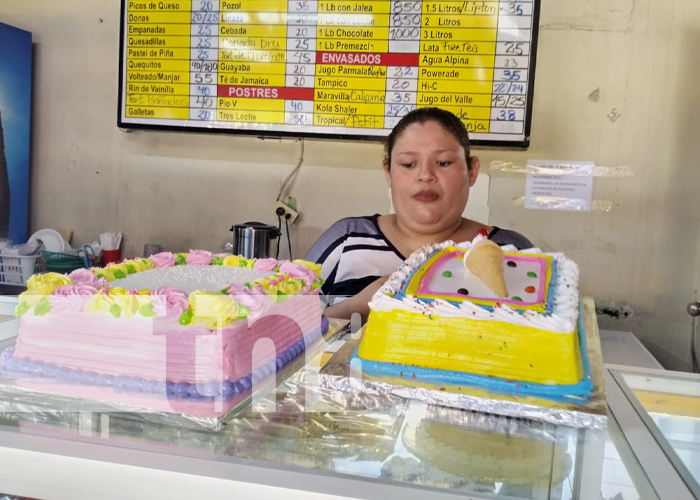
(485, 260)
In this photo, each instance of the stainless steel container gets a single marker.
(255, 240)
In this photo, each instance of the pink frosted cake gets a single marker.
(188, 325)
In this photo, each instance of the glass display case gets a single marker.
(669, 406)
(303, 441)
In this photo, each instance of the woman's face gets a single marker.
(429, 177)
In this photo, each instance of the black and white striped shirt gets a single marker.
(354, 252)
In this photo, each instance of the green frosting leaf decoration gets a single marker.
(115, 311)
(281, 296)
(277, 269)
(218, 261)
(223, 292)
(21, 309)
(242, 263)
(42, 308)
(119, 274)
(180, 261)
(186, 317)
(322, 281)
(130, 269)
(316, 285)
(244, 312)
(147, 311)
(101, 276)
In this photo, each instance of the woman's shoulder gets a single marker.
(339, 232)
(507, 237)
(366, 225)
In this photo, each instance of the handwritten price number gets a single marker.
(403, 33)
(400, 109)
(399, 97)
(206, 67)
(206, 6)
(207, 78)
(302, 32)
(299, 81)
(499, 101)
(297, 106)
(506, 116)
(204, 115)
(400, 85)
(205, 102)
(203, 55)
(403, 71)
(406, 20)
(510, 75)
(204, 30)
(300, 6)
(514, 9)
(509, 88)
(514, 48)
(205, 91)
(205, 18)
(302, 57)
(508, 101)
(516, 101)
(401, 7)
(302, 44)
(300, 119)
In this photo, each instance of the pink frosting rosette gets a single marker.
(72, 298)
(265, 264)
(299, 272)
(256, 300)
(174, 300)
(199, 258)
(85, 277)
(163, 259)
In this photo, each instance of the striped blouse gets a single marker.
(354, 252)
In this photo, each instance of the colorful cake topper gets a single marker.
(445, 275)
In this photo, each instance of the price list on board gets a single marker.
(340, 68)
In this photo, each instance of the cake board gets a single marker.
(340, 374)
(25, 392)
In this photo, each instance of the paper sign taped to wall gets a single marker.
(559, 185)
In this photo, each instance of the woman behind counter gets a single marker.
(429, 171)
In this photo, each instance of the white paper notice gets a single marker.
(559, 185)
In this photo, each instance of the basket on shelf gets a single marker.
(17, 269)
(64, 263)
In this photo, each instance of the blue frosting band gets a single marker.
(552, 284)
(404, 286)
(572, 393)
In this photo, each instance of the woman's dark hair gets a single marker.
(447, 120)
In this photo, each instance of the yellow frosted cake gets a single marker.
(478, 315)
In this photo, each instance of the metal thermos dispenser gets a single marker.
(255, 240)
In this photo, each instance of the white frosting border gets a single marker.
(565, 300)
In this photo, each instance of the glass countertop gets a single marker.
(406, 443)
(670, 407)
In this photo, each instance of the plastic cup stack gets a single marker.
(110, 243)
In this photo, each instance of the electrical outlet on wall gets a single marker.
(283, 210)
